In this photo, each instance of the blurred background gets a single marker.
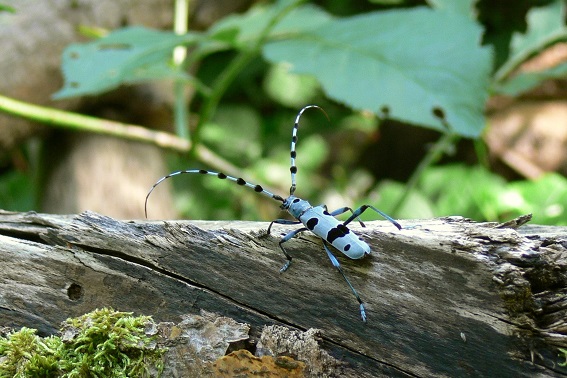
(434, 107)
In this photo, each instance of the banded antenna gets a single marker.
(220, 175)
(293, 167)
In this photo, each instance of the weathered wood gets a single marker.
(444, 297)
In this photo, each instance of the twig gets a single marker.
(79, 122)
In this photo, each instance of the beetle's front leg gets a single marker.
(287, 255)
(281, 221)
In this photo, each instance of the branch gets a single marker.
(78, 122)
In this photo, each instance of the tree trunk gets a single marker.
(444, 297)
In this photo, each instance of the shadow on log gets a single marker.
(444, 297)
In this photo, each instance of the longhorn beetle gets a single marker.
(315, 219)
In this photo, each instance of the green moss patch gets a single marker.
(102, 343)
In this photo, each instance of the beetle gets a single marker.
(316, 219)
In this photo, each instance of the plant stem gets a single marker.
(78, 122)
(432, 156)
(180, 111)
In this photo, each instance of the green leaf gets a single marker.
(399, 62)
(461, 190)
(528, 80)
(545, 197)
(545, 26)
(128, 55)
(387, 193)
(251, 23)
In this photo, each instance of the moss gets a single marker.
(24, 354)
(102, 343)
(564, 355)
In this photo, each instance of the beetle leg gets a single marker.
(336, 264)
(283, 240)
(343, 210)
(281, 221)
(363, 208)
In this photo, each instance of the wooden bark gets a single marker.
(445, 297)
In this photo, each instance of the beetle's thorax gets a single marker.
(296, 206)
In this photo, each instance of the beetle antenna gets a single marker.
(220, 175)
(293, 154)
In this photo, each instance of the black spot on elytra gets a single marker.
(311, 223)
(337, 232)
(343, 228)
(347, 247)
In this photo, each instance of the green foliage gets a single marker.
(474, 192)
(103, 343)
(546, 26)
(24, 354)
(128, 55)
(16, 191)
(369, 62)
(299, 89)
(529, 80)
(385, 62)
(428, 66)
(7, 8)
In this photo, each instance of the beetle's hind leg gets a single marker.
(343, 210)
(336, 264)
(356, 213)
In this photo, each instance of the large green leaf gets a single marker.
(420, 65)
(125, 56)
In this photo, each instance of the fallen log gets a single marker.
(444, 297)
